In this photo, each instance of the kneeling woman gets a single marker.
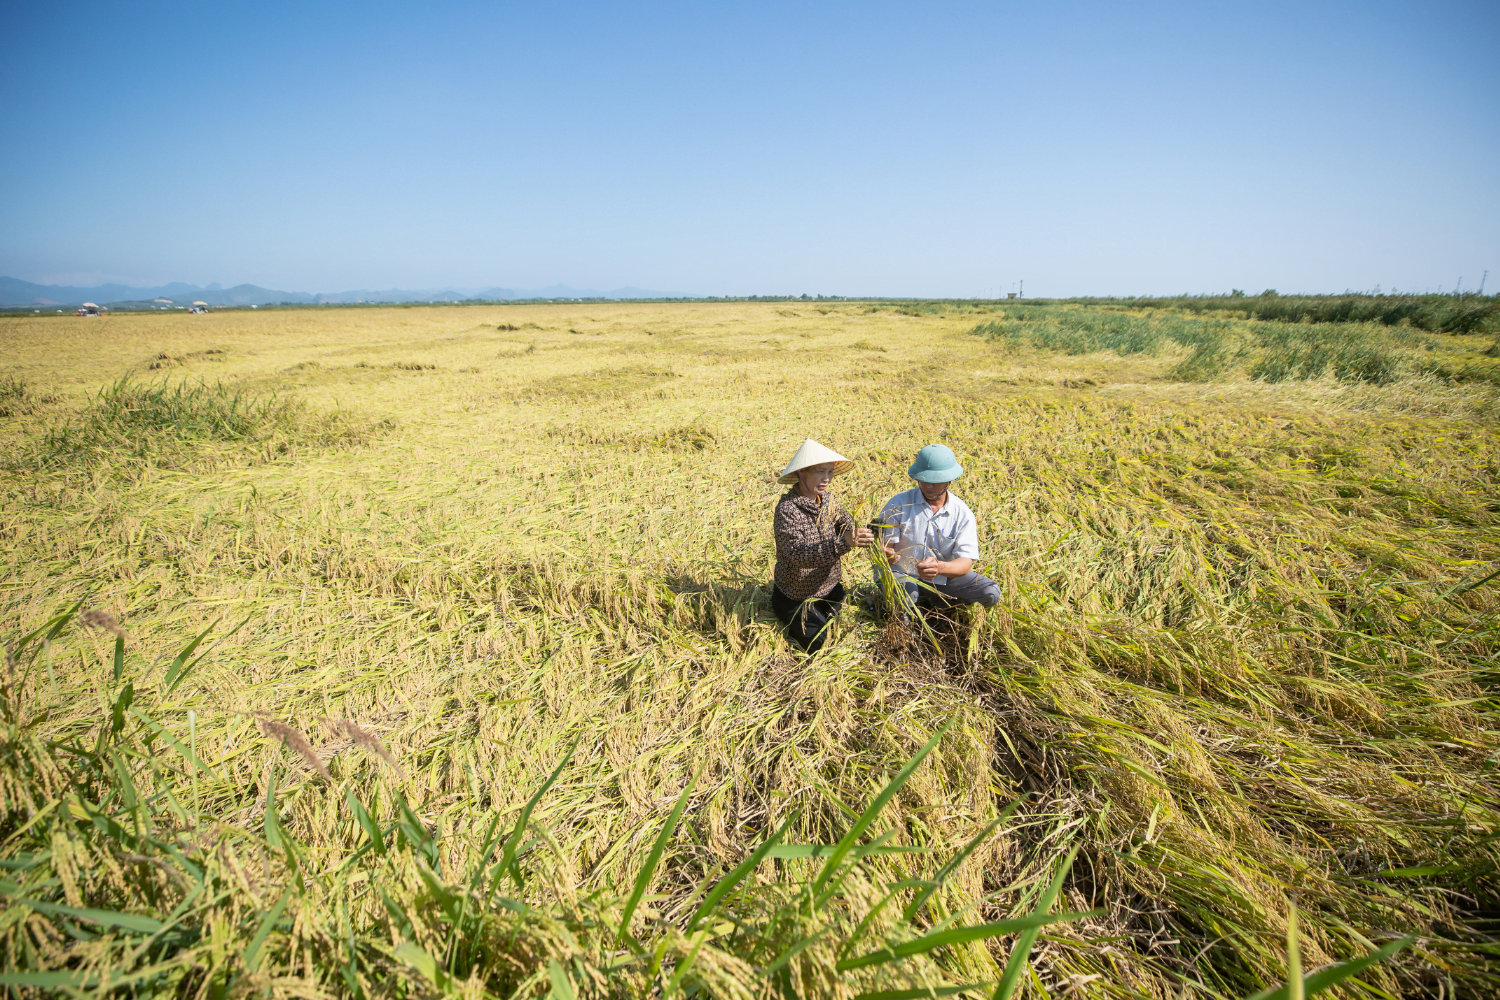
(812, 534)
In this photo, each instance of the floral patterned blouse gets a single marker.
(809, 542)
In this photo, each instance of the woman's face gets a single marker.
(814, 479)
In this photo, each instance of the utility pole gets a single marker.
(1481, 283)
(1023, 289)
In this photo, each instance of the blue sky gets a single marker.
(937, 149)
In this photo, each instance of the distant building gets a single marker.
(1010, 295)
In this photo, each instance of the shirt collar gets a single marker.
(806, 503)
(926, 507)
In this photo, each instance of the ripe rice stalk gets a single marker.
(293, 738)
(103, 620)
(364, 738)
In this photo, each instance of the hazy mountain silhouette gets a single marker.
(15, 292)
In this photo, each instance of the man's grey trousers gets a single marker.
(971, 588)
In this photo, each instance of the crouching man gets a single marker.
(933, 537)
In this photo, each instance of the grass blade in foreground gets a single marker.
(366, 822)
(106, 919)
(921, 993)
(507, 860)
(735, 877)
(868, 816)
(958, 935)
(562, 986)
(417, 957)
(958, 859)
(1019, 955)
(53, 627)
(790, 852)
(169, 680)
(644, 878)
(1334, 974)
(1295, 989)
(252, 953)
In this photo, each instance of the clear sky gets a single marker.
(930, 149)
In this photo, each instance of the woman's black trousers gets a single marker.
(806, 622)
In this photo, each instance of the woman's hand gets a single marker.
(863, 538)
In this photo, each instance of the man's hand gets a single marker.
(929, 568)
(890, 550)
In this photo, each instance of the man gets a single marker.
(933, 537)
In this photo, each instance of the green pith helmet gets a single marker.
(935, 464)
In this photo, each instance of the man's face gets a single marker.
(933, 492)
(815, 479)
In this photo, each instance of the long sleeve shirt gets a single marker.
(808, 547)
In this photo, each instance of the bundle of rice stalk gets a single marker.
(896, 601)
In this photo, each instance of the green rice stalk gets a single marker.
(1016, 963)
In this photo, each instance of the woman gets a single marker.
(812, 533)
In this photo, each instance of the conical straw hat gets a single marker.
(812, 453)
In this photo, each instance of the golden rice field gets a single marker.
(489, 702)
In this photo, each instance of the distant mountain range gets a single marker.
(15, 292)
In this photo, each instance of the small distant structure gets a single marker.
(199, 307)
(88, 309)
(1010, 295)
(164, 303)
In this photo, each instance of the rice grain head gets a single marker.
(293, 738)
(363, 737)
(103, 620)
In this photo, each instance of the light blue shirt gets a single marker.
(917, 532)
